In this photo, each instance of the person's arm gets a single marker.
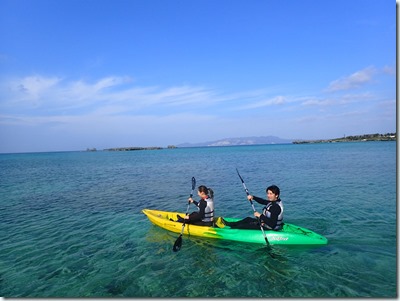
(198, 216)
(193, 202)
(272, 216)
(260, 200)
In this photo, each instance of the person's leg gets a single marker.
(181, 220)
(246, 223)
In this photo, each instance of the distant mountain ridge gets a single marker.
(239, 141)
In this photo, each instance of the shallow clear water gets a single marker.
(71, 223)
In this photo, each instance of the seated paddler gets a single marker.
(204, 216)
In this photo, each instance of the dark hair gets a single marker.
(206, 190)
(275, 189)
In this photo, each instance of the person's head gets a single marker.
(203, 192)
(273, 192)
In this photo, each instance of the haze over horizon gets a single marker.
(102, 74)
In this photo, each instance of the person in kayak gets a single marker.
(205, 214)
(271, 217)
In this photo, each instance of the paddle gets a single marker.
(252, 205)
(178, 243)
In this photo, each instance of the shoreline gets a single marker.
(358, 138)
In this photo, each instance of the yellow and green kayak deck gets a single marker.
(289, 235)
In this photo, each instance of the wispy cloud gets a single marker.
(273, 101)
(32, 87)
(57, 94)
(339, 100)
(39, 95)
(54, 100)
(353, 81)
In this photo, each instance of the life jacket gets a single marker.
(279, 222)
(209, 211)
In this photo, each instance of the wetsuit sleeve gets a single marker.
(273, 213)
(260, 200)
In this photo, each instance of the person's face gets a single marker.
(272, 196)
(201, 194)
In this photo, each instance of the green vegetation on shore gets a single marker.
(366, 137)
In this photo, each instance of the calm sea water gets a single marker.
(71, 223)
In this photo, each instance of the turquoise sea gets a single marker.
(71, 222)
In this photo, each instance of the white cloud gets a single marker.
(277, 100)
(118, 95)
(340, 100)
(84, 90)
(33, 87)
(56, 94)
(317, 102)
(353, 81)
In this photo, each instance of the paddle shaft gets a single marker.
(178, 243)
(252, 205)
(187, 209)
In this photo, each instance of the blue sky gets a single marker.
(94, 73)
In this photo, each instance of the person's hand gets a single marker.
(256, 214)
(190, 200)
(249, 197)
(186, 216)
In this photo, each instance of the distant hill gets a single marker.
(239, 141)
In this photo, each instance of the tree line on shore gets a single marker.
(365, 137)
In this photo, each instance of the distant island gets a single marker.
(259, 140)
(253, 140)
(131, 148)
(361, 138)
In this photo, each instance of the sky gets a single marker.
(78, 74)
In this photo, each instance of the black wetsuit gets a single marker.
(197, 217)
(269, 218)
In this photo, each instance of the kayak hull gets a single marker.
(289, 235)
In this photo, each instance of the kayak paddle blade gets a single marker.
(178, 244)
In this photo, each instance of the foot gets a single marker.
(180, 219)
(220, 222)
